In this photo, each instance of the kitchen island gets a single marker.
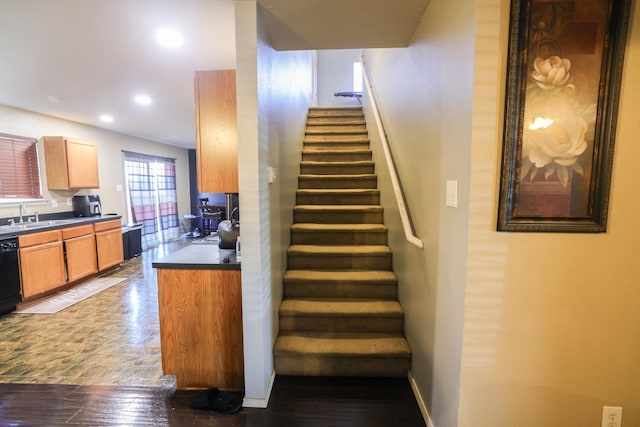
(200, 307)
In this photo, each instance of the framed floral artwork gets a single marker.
(563, 83)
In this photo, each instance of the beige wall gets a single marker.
(552, 321)
(507, 329)
(110, 162)
(425, 94)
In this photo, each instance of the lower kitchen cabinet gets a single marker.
(109, 243)
(80, 250)
(41, 262)
(201, 327)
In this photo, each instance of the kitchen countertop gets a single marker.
(201, 254)
(8, 231)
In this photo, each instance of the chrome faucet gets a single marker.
(22, 210)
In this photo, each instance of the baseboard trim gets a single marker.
(420, 400)
(264, 402)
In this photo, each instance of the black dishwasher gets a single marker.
(9, 275)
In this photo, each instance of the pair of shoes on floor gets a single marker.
(212, 399)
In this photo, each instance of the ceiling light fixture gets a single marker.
(142, 100)
(107, 118)
(170, 38)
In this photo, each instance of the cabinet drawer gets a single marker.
(39, 238)
(81, 230)
(107, 225)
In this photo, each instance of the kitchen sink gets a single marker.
(39, 224)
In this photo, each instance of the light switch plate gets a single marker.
(272, 175)
(54, 203)
(452, 194)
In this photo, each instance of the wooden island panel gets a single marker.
(201, 327)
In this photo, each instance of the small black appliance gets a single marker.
(85, 206)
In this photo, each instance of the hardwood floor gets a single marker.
(97, 364)
(295, 401)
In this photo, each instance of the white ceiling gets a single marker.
(95, 56)
(78, 59)
(341, 24)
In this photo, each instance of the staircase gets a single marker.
(340, 315)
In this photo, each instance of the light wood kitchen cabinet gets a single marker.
(80, 250)
(70, 163)
(41, 262)
(216, 131)
(201, 327)
(108, 243)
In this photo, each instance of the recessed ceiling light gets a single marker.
(54, 99)
(106, 118)
(168, 37)
(142, 100)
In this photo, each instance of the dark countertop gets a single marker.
(8, 231)
(199, 255)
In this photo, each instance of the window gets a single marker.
(357, 77)
(19, 167)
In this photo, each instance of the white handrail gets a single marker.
(397, 189)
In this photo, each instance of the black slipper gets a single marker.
(202, 399)
(212, 399)
(226, 403)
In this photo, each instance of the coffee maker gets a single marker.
(85, 206)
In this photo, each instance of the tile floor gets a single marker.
(111, 338)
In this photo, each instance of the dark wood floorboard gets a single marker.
(295, 401)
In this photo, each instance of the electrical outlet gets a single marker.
(611, 416)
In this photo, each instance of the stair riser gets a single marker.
(336, 157)
(338, 238)
(327, 145)
(338, 217)
(330, 169)
(342, 366)
(337, 130)
(326, 182)
(338, 199)
(340, 323)
(339, 262)
(335, 121)
(340, 290)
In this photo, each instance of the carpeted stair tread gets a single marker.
(320, 250)
(339, 208)
(335, 121)
(339, 227)
(336, 138)
(338, 191)
(338, 163)
(343, 344)
(344, 154)
(324, 276)
(354, 308)
(334, 111)
(338, 196)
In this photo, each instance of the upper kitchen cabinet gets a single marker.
(216, 131)
(70, 164)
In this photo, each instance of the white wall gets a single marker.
(335, 74)
(110, 162)
(274, 92)
(425, 94)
